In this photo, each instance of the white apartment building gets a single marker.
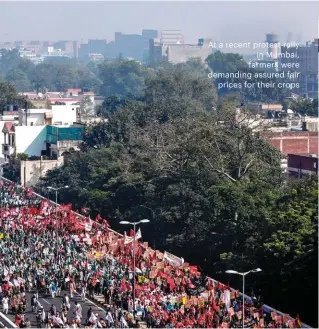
(27, 134)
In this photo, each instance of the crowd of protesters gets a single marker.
(63, 254)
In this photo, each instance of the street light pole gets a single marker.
(56, 189)
(243, 275)
(56, 216)
(134, 261)
(134, 271)
(1, 174)
(244, 300)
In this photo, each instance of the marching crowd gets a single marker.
(59, 253)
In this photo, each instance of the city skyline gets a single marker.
(103, 19)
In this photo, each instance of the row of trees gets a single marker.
(52, 75)
(124, 77)
(212, 188)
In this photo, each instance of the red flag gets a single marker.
(153, 259)
(131, 232)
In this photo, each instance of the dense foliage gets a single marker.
(213, 189)
(219, 62)
(9, 95)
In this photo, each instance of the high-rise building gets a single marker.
(76, 46)
(172, 37)
(97, 46)
(129, 45)
(307, 58)
(147, 36)
(272, 40)
(179, 53)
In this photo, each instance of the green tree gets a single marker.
(307, 107)
(122, 77)
(10, 59)
(9, 96)
(19, 79)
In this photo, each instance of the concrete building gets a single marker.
(300, 165)
(62, 139)
(308, 67)
(96, 46)
(96, 57)
(180, 53)
(171, 37)
(83, 51)
(48, 140)
(273, 42)
(58, 115)
(129, 45)
(35, 117)
(32, 170)
(72, 92)
(66, 46)
(147, 36)
(293, 142)
(64, 115)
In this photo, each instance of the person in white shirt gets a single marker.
(5, 305)
(78, 312)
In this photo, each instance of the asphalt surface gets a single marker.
(46, 301)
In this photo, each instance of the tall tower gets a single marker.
(272, 40)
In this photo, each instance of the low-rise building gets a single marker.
(44, 140)
(300, 165)
(293, 142)
(179, 52)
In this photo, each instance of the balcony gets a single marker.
(7, 149)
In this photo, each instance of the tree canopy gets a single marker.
(212, 188)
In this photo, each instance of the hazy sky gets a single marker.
(226, 21)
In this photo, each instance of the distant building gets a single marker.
(180, 53)
(96, 46)
(129, 45)
(96, 57)
(76, 46)
(264, 108)
(27, 53)
(40, 140)
(72, 92)
(308, 62)
(83, 51)
(293, 142)
(147, 36)
(171, 37)
(300, 165)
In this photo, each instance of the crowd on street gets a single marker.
(56, 252)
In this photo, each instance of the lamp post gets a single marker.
(56, 189)
(124, 222)
(1, 173)
(243, 275)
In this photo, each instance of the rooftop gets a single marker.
(306, 155)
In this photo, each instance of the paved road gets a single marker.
(46, 301)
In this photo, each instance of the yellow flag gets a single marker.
(141, 279)
(184, 300)
(1, 235)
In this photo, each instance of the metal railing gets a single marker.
(266, 308)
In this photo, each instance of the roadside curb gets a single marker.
(6, 319)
